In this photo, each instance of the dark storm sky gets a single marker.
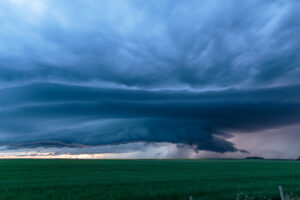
(194, 73)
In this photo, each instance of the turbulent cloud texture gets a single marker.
(89, 73)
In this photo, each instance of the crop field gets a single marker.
(147, 179)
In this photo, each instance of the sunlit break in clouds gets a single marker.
(153, 79)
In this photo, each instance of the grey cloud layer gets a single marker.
(197, 44)
(91, 73)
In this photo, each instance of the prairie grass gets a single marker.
(147, 179)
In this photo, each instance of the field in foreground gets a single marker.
(146, 179)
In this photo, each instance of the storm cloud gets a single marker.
(94, 116)
(115, 72)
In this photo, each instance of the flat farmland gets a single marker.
(147, 179)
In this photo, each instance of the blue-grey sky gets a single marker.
(190, 78)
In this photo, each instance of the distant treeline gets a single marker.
(254, 158)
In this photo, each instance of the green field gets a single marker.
(146, 179)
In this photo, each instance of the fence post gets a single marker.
(281, 193)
